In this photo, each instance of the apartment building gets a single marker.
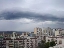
(57, 32)
(15, 43)
(43, 31)
(59, 45)
(57, 39)
(38, 31)
(39, 34)
(62, 32)
(47, 31)
(29, 42)
(32, 42)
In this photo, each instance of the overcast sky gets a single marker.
(25, 15)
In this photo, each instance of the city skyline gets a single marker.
(25, 15)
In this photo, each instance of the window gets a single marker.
(60, 47)
(55, 40)
(37, 33)
(52, 39)
(48, 40)
(60, 42)
(10, 41)
(49, 33)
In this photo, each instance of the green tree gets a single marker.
(47, 45)
(41, 44)
(52, 43)
(44, 44)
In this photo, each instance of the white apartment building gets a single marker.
(43, 31)
(62, 32)
(32, 42)
(38, 31)
(15, 43)
(47, 31)
(57, 39)
(39, 34)
(60, 45)
(58, 31)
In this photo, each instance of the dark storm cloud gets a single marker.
(29, 15)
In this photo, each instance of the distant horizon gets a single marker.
(31, 31)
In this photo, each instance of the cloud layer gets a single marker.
(25, 15)
(10, 15)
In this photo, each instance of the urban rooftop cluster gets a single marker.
(32, 39)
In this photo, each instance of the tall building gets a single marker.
(38, 31)
(47, 31)
(32, 42)
(39, 34)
